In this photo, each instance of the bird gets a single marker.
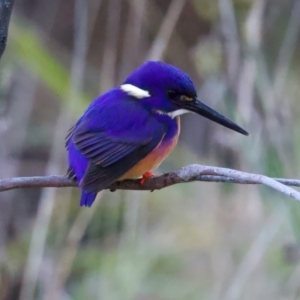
(129, 130)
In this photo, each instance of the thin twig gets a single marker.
(231, 39)
(186, 174)
(5, 13)
(286, 52)
(112, 34)
(253, 257)
(69, 251)
(167, 28)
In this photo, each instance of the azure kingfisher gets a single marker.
(129, 130)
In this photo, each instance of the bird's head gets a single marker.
(165, 89)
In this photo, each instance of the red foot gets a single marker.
(146, 175)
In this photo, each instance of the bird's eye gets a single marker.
(172, 94)
(185, 98)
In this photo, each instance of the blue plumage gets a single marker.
(114, 127)
(124, 127)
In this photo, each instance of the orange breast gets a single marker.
(153, 159)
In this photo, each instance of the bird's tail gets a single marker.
(87, 199)
(77, 167)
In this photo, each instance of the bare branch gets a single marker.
(5, 12)
(186, 174)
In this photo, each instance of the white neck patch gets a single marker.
(134, 91)
(173, 114)
(178, 112)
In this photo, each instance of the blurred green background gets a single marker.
(187, 242)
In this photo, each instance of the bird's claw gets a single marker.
(146, 176)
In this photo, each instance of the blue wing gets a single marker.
(113, 135)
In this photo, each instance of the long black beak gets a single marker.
(202, 109)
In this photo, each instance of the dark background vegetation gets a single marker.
(190, 241)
